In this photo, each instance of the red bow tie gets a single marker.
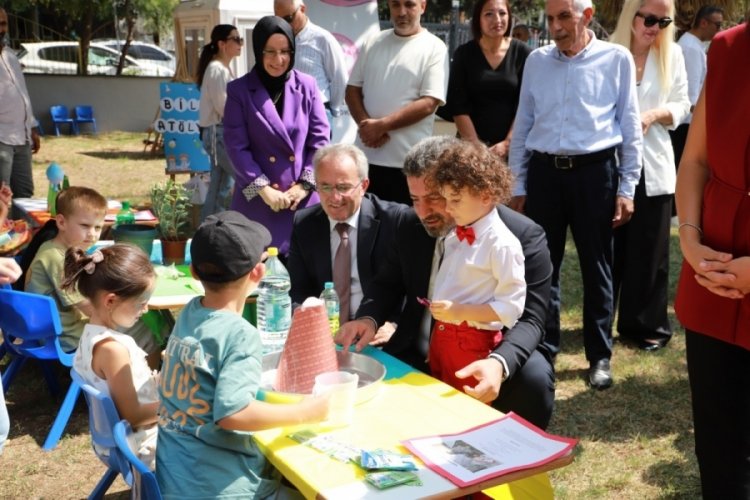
(466, 233)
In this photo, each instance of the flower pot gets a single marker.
(139, 235)
(173, 252)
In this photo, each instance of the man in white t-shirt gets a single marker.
(707, 24)
(398, 81)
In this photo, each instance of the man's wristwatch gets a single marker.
(306, 185)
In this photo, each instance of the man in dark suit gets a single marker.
(518, 375)
(341, 179)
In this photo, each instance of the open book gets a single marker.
(493, 449)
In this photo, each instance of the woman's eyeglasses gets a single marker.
(281, 53)
(651, 20)
(237, 39)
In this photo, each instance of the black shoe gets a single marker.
(649, 345)
(600, 375)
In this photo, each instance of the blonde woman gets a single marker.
(642, 246)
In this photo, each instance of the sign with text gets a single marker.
(178, 123)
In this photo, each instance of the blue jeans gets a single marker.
(222, 172)
(4, 420)
(15, 170)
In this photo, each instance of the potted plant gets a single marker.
(170, 202)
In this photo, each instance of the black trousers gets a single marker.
(679, 136)
(389, 183)
(582, 199)
(641, 269)
(719, 376)
(530, 392)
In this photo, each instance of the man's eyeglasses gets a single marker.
(291, 16)
(651, 20)
(273, 53)
(342, 189)
(237, 39)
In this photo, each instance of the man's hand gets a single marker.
(360, 331)
(36, 143)
(518, 203)
(624, 209)
(275, 199)
(501, 149)
(384, 334)
(489, 373)
(373, 132)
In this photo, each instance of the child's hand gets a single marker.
(445, 310)
(315, 408)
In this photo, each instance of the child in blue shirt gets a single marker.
(212, 371)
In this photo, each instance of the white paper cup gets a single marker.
(342, 386)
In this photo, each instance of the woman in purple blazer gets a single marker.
(274, 121)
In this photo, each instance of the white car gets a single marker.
(62, 58)
(143, 52)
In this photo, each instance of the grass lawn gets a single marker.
(636, 439)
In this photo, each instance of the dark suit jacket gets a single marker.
(310, 258)
(406, 271)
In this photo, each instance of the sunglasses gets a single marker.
(651, 20)
(238, 39)
(291, 16)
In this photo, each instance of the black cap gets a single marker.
(227, 246)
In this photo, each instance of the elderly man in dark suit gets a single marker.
(518, 375)
(368, 223)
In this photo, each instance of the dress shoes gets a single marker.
(600, 374)
(649, 345)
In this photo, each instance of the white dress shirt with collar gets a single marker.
(695, 65)
(489, 271)
(356, 292)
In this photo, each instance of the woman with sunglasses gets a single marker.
(212, 77)
(641, 256)
(274, 122)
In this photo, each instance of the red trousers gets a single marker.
(453, 347)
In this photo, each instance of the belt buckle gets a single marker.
(563, 162)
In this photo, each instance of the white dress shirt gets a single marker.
(16, 115)
(356, 293)
(490, 271)
(318, 54)
(696, 66)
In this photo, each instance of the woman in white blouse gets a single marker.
(642, 246)
(212, 78)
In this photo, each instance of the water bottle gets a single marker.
(274, 304)
(331, 300)
(125, 215)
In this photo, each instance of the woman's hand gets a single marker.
(728, 279)
(296, 194)
(501, 149)
(275, 199)
(712, 268)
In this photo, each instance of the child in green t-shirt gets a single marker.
(212, 371)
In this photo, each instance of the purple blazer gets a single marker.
(259, 142)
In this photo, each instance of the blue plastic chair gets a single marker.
(144, 478)
(60, 116)
(85, 114)
(102, 419)
(31, 330)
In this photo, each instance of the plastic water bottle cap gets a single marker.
(126, 205)
(328, 285)
(272, 251)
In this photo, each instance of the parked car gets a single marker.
(62, 58)
(143, 52)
